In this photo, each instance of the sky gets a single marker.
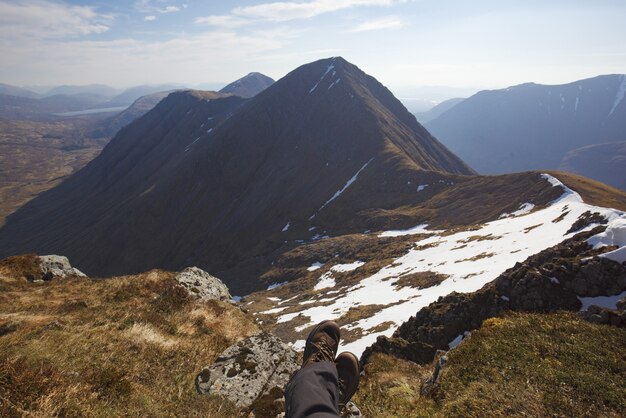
(412, 46)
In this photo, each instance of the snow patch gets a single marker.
(609, 302)
(457, 340)
(419, 229)
(468, 263)
(523, 210)
(194, 141)
(325, 280)
(619, 96)
(421, 187)
(315, 266)
(348, 184)
(331, 66)
(276, 285)
(342, 268)
(286, 227)
(615, 234)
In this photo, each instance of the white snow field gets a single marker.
(469, 263)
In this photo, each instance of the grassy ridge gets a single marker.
(519, 365)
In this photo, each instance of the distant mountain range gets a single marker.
(533, 126)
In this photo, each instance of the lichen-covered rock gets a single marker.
(53, 266)
(252, 374)
(202, 285)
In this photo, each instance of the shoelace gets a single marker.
(324, 351)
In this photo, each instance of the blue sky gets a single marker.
(406, 44)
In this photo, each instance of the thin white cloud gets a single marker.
(388, 22)
(169, 9)
(149, 6)
(224, 21)
(43, 19)
(287, 10)
(150, 18)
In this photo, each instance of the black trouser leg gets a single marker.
(313, 392)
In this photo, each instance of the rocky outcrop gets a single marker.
(202, 285)
(602, 315)
(36, 268)
(57, 266)
(548, 281)
(252, 374)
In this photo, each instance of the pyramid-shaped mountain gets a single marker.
(220, 182)
(248, 86)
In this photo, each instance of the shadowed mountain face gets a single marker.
(248, 86)
(435, 112)
(604, 162)
(219, 181)
(533, 126)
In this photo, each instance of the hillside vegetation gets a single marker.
(519, 365)
(126, 346)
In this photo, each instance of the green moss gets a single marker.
(517, 365)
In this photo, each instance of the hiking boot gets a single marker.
(322, 343)
(348, 370)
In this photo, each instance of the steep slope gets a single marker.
(140, 107)
(604, 162)
(131, 95)
(533, 126)
(212, 181)
(435, 112)
(248, 86)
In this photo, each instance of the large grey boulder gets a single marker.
(252, 374)
(202, 285)
(57, 266)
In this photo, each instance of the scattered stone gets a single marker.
(202, 285)
(7, 328)
(252, 374)
(351, 411)
(433, 381)
(602, 315)
(587, 219)
(57, 266)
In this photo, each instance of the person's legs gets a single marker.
(323, 384)
(313, 392)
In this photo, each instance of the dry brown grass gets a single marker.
(126, 346)
(420, 280)
(593, 192)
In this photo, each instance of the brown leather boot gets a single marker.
(348, 370)
(322, 343)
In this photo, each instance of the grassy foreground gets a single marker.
(127, 346)
(521, 365)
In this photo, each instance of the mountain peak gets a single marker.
(249, 85)
(208, 180)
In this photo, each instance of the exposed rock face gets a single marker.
(202, 285)
(252, 374)
(548, 281)
(57, 266)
